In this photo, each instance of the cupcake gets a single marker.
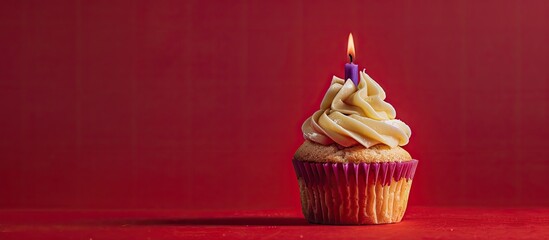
(351, 169)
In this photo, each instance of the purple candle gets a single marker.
(351, 72)
(351, 69)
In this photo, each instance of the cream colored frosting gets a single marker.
(351, 115)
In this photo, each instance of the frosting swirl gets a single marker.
(351, 115)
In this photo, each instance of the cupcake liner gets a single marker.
(349, 193)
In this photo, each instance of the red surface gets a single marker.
(198, 104)
(419, 223)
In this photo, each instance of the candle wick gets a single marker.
(351, 58)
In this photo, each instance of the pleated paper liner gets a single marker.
(349, 193)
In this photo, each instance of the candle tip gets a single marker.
(351, 47)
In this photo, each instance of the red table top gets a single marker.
(419, 222)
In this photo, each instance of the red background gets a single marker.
(198, 104)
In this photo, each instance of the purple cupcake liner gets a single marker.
(372, 173)
(350, 193)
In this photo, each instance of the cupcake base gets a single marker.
(348, 193)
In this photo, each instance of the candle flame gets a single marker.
(351, 48)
